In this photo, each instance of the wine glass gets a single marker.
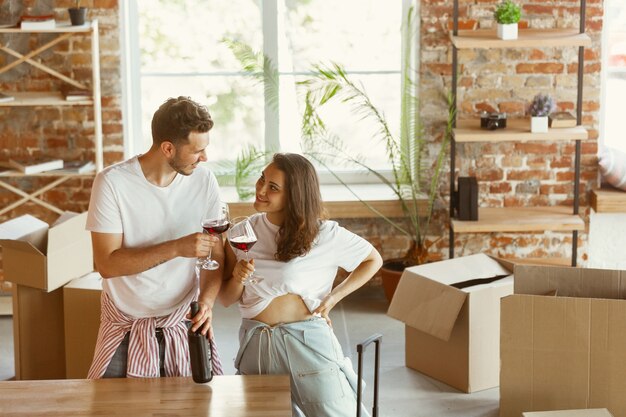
(242, 237)
(215, 226)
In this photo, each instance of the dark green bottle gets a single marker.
(199, 352)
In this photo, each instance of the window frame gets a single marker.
(605, 73)
(132, 76)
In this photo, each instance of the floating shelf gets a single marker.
(521, 219)
(42, 99)
(516, 130)
(61, 27)
(527, 38)
(608, 200)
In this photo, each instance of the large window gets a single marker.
(177, 49)
(614, 74)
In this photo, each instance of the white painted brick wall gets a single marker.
(607, 240)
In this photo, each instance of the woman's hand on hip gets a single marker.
(324, 308)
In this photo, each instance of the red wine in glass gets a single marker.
(242, 237)
(216, 227)
(242, 243)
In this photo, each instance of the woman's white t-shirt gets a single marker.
(124, 202)
(310, 276)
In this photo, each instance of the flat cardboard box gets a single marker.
(452, 334)
(591, 412)
(81, 308)
(38, 335)
(567, 349)
(64, 254)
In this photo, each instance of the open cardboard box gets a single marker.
(591, 412)
(47, 258)
(567, 349)
(81, 309)
(38, 333)
(452, 334)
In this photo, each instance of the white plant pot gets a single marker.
(507, 31)
(539, 124)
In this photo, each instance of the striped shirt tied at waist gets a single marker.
(143, 348)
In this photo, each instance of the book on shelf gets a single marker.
(562, 119)
(6, 97)
(37, 22)
(34, 165)
(75, 94)
(6, 167)
(76, 167)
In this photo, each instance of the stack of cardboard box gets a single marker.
(39, 260)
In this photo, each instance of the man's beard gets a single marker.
(177, 166)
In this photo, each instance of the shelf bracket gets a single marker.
(32, 196)
(27, 59)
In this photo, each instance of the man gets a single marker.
(145, 220)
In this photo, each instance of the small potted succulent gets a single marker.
(539, 109)
(507, 16)
(77, 14)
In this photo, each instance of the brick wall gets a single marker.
(501, 80)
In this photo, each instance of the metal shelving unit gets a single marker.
(518, 219)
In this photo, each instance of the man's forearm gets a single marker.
(129, 261)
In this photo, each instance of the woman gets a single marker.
(285, 327)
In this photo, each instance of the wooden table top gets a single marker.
(227, 396)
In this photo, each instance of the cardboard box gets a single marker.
(565, 350)
(592, 412)
(38, 335)
(63, 254)
(81, 308)
(452, 334)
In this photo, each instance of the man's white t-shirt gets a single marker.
(310, 276)
(124, 202)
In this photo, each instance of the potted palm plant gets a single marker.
(507, 15)
(414, 178)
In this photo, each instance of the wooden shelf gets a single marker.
(45, 174)
(61, 27)
(63, 32)
(521, 219)
(42, 99)
(528, 38)
(516, 130)
(608, 200)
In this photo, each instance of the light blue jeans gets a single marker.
(323, 382)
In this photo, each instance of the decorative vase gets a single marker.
(539, 124)
(77, 15)
(507, 31)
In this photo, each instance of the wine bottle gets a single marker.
(199, 352)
